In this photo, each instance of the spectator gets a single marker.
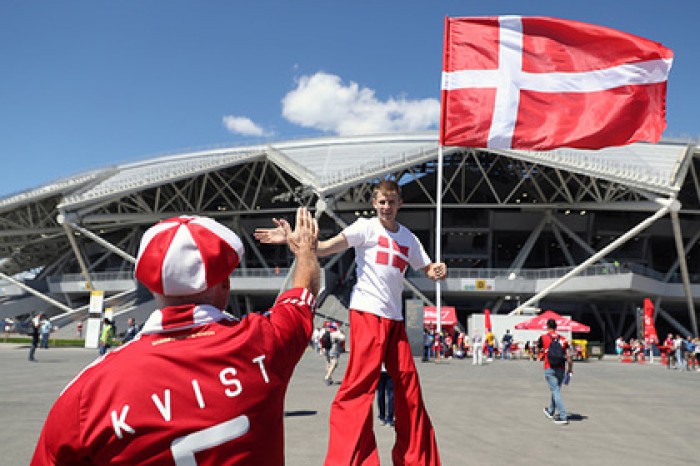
(196, 380)
(678, 349)
(507, 341)
(689, 353)
(637, 349)
(106, 336)
(619, 346)
(44, 332)
(448, 351)
(427, 344)
(437, 345)
(316, 340)
(669, 344)
(490, 344)
(336, 338)
(385, 398)
(460, 346)
(477, 349)
(555, 370)
(33, 331)
(131, 330)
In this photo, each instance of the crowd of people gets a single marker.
(682, 353)
(454, 343)
(675, 351)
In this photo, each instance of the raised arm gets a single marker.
(332, 246)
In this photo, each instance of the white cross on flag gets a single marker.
(538, 83)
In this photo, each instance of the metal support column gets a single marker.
(99, 240)
(684, 269)
(668, 205)
(62, 219)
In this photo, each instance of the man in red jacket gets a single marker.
(196, 386)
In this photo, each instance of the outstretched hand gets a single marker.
(275, 235)
(304, 237)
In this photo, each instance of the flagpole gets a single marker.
(438, 239)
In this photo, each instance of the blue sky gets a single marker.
(90, 84)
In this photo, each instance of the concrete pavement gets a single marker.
(490, 415)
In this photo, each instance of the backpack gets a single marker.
(326, 342)
(555, 352)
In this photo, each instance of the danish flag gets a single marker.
(389, 256)
(538, 83)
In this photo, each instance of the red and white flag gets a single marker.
(538, 83)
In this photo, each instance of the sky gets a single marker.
(95, 83)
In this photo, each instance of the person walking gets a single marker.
(197, 381)
(106, 336)
(383, 250)
(557, 365)
(336, 339)
(490, 344)
(33, 332)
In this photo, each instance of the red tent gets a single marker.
(563, 323)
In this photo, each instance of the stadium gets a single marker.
(625, 220)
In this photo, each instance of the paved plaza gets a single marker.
(490, 415)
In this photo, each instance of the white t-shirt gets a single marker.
(382, 258)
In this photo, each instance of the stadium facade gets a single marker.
(513, 224)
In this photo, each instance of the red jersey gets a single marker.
(544, 342)
(196, 387)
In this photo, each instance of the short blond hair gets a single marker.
(386, 187)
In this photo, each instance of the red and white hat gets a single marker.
(186, 255)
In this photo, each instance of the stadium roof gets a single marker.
(329, 164)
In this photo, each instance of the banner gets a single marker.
(478, 284)
(649, 327)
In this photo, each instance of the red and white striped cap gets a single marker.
(186, 255)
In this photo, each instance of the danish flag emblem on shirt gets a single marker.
(387, 255)
(538, 83)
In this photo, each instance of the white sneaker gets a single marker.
(547, 413)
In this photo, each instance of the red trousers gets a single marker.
(374, 340)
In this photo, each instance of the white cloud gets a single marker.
(243, 125)
(322, 101)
